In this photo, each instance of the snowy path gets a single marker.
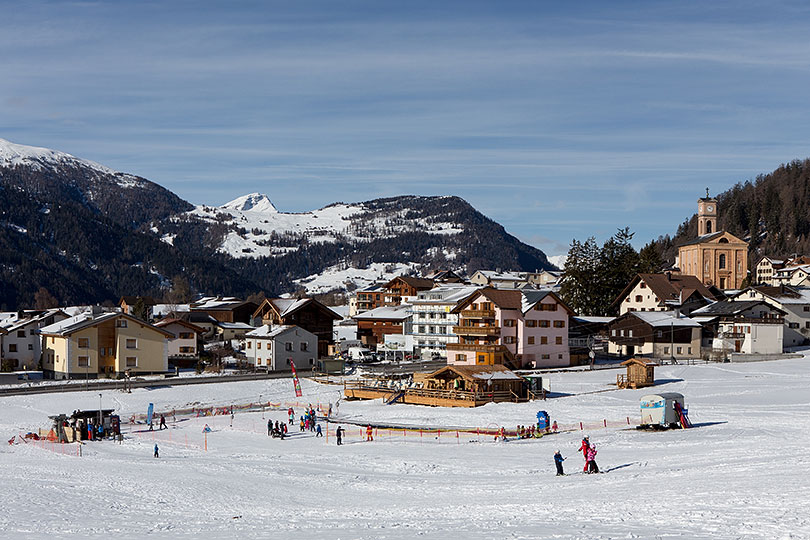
(743, 475)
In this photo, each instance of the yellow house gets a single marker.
(107, 344)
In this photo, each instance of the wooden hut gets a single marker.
(640, 373)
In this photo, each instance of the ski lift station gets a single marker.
(664, 410)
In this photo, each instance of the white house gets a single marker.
(433, 318)
(743, 326)
(184, 342)
(273, 348)
(22, 346)
(794, 301)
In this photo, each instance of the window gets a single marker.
(621, 333)
(543, 324)
(642, 285)
(132, 361)
(558, 340)
(545, 356)
(186, 335)
(613, 332)
(658, 333)
(84, 343)
(132, 343)
(30, 347)
(560, 356)
(187, 350)
(666, 350)
(531, 340)
(629, 333)
(806, 308)
(304, 346)
(689, 350)
(259, 361)
(679, 350)
(722, 261)
(121, 323)
(84, 361)
(249, 344)
(546, 307)
(288, 346)
(509, 323)
(559, 324)
(793, 325)
(639, 298)
(20, 333)
(509, 339)
(12, 347)
(482, 358)
(531, 323)
(543, 340)
(258, 345)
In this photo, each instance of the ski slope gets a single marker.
(741, 474)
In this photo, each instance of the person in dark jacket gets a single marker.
(339, 434)
(156, 451)
(558, 461)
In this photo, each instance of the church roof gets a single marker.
(705, 238)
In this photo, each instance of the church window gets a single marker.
(722, 260)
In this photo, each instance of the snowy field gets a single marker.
(742, 473)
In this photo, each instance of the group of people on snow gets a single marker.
(588, 452)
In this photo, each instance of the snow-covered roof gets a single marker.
(399, 312)
(16, 323)
(216, 302)
(590, 319)
(269, 331)
(496, 375)
(504, 276)
(71, 324)
(663, 318)
(450, 293)
(161, 310)
(234, 325)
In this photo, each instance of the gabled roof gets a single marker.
(639, 361)
(268, 331)
(14, 323)
(386, 313)
(479, 373)
(287, 306)
(532, 297)
(86, 320)
(661, 318)
(667, 286)
(132, 300)
(712, 237)
(415, 282)
(503, 298)
(729, 307)
(500, 276)
(181, 322)
(219, 304)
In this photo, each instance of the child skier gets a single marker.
(318, 432)
(339, 434)
(584, 449)
(156, 450)
(592, 467)
(558, 460)
(369, 433)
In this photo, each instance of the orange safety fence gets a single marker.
(230, 409)
(50, 444)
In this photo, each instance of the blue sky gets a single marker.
(559, 120)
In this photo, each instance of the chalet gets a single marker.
(185, 343)
(91, 345)
(307, 313)
(793, 275)
(370, 297)
(659, 334)
(444, 276)
(497, 279)
(793, 301)
(663, 292)
(275, 348)
(128, 303)
(21, 347)
(523, 328)
(374, 325)
(225, 309)
(765, 270)
(226, 331)
(403, 288)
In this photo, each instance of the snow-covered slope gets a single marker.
(558, 260)
(341, 277)
(258, 229)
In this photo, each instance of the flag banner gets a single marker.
(149, 412)
(295, 380)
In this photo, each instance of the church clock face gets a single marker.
(710, 208)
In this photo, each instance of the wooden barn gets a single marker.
(640, 373)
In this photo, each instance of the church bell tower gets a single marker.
(707, 215)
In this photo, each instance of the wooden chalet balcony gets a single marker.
(472, 347)
(478, 314)
(477, 330)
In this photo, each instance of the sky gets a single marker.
(559, 120)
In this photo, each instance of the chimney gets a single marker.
(669, 275)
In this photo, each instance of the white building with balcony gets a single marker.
(433, 318)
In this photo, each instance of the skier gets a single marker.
(231, 418)
(269, 427)
(163, 422)
(558, 459)
(584, 449)
(369, 432)
(339, 434)
(156, 450)
(592, 466)
(318, 431)
(554, 426)
(302, 424)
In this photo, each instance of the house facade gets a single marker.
(404, 288)
(374, 325)
(370, 297)
(225, 309)
(765, 270)
(794, 302)
(661, 334)
(526, 328)
(21, 345)
(663, 292)
(306, 313)
(187, 336)
(434, 316)
(109, 344)
(497, 279)
(275, 348)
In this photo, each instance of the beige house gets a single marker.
(715, 257)
(21, 347)
(107, 344)
(663, 292)
(766, 269)
(184, 342)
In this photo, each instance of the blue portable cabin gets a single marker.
(661, 410)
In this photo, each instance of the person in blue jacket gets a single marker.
(156, 450)
(558, 460)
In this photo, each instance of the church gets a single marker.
(715, 257)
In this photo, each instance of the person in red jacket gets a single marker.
(369, 432)
(584, 447)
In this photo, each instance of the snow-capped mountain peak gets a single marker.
(12, 154)
(253, 202)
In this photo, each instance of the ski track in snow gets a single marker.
(742, 475)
